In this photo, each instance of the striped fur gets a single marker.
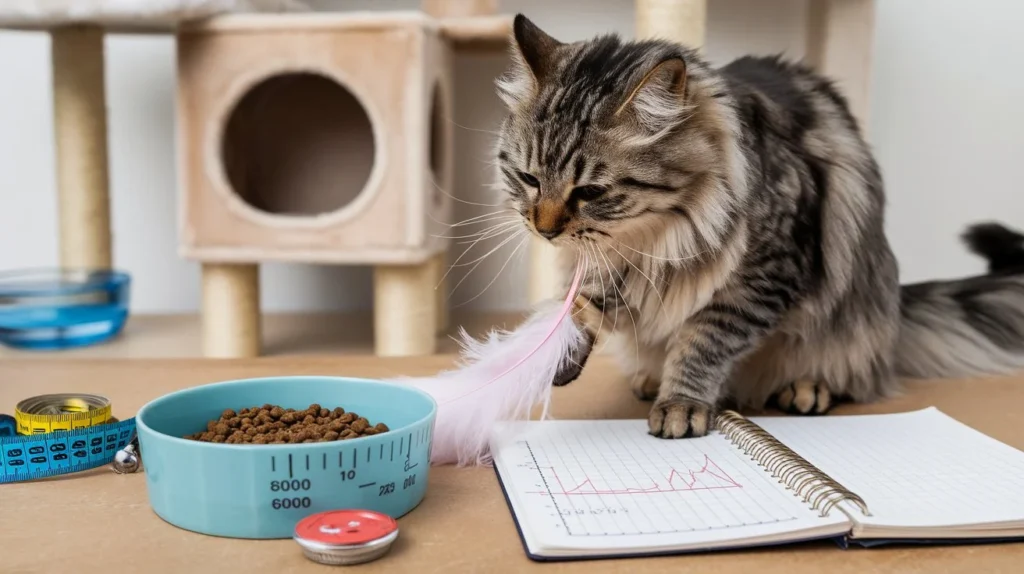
(732, 221)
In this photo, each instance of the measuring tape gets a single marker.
(61, 434)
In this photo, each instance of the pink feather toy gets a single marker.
(504, 377)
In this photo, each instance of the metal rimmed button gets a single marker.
(343, 537)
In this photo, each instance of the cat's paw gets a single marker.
(805, 397)
(645, 388)
(679, 417)
(570, 371)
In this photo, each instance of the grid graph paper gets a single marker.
(610, 478)
(916, 469)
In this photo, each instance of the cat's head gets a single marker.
(596, 140)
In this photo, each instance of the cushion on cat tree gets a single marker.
(128, 15)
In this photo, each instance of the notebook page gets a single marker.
(918, 469)
(609, 485)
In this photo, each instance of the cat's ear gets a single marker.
(533, 61)
(658, 102)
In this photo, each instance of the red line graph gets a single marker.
(708, 477)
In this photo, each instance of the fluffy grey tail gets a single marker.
(967, 327)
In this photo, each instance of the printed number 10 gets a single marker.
(348, 475)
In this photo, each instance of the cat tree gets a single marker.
(323, 138)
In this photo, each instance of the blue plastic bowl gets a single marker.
(262, 491)
(46, 309)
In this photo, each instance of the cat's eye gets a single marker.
(587, 192)
(529, 179)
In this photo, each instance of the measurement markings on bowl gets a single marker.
(299, 479)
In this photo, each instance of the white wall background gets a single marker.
(947, 123)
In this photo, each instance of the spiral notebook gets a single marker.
(593, 489)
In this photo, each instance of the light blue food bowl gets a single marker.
(262, 491)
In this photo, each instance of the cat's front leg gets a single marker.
(700, 358)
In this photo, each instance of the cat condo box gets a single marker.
(317, 138)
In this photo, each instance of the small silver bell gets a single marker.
(126, 460)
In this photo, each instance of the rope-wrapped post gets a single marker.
(80, 136)
(231, 310)
(404, 323)
(683, 21)
(840, 40)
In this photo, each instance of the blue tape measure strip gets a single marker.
(29, 457)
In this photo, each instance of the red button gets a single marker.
(345, 527)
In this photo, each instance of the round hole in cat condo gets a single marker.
(438, 147)
(298, 144)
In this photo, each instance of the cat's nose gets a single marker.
(549, 218)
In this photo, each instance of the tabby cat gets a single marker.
(731, 221)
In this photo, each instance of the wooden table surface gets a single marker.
(463, 524)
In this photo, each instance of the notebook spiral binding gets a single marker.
(793, 471)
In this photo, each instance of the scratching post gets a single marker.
(683, 21)
(405, 322)
(231, 311)
(439, 283)
(80, 135)
(840, 44)
(76, 30)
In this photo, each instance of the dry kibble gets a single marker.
(273, 424)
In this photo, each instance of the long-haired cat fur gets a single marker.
(732, 222)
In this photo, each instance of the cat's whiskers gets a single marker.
(654, 287)
(484, 217)
(655, 257)
(586, 265)
(636, 336)
(469, 129)
(444, 191)
(494, 231)
(498, 274)
(485, 256)
(509, 220)
(600, 276)
(463, 254)
(495, 248)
